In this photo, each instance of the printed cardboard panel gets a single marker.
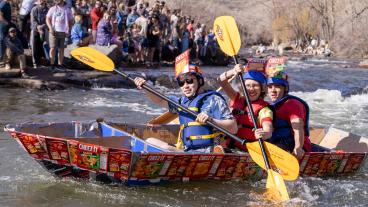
(192, 163)
(313, 164)
(73, 152)
(335, 161)
(251, 169)
(89, 156)
(58, 150)
(330, 164)
(203, 165)
(227, 167)
(178, 166)
(150, 166)
(215, 166)
(119, 163)
(354, 162)
(33, 145)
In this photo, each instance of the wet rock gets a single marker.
(166, 81)
(33, 84)
(13, 73)
(363, 64)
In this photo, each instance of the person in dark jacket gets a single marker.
(39, 32)
(14, 49)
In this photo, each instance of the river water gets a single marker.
(336, 91)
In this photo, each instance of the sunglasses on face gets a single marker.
(187, 80)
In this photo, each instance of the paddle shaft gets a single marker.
(250, 108)
(209, 122)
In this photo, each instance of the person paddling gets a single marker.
(255, 82)
(195, 135)
(291, 113)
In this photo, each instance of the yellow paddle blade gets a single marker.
(165, 118)
(227, 34)
(280, 160)
(276, 188)
(93, 58)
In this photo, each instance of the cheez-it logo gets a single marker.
(86, 59)
(219, 33)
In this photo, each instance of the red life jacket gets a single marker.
(244, 120)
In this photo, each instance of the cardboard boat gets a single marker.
(119, 153)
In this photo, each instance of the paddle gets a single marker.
(228, 37)
(101, 62)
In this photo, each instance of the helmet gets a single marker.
(255, 75)
(193, 70)
(280, 81)
(278, 76)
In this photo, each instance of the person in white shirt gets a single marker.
(59, 21)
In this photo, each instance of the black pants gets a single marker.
(37, 47)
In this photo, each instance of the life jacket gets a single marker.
(283, 128)
(244, 120)
(195, 135)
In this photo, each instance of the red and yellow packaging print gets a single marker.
(182, 63)
(119, 163)
(32, 144)
(88, 156)
(151, 166)
(354, 162)
(73, 152)
(178, 166)
(58, 150)
(227, 167)
(192, 163)
(313, 164)
(203, 166)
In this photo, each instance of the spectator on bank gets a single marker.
(111, 3)
(84, 8)
(24, 16)
(39, 32)
(132, 17)
(121, 16)
(14, 49)
(210, 44)
(5, 20)
(184, 37)
(129, 3)
(5, 8)
(153, 37)
(142, 22)
(140, 8)
(58, 20)
(96, 15)
(104, 31)
(79, 34)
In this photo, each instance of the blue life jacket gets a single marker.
(196, 135)
(282, 133)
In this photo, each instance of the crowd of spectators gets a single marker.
(145, 34)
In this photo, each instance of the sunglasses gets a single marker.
(187, 80)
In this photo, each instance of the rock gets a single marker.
(165, 80)
(12, 73)
(33, 84)
(112, 52)
(363, 64)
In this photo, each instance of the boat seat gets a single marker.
(163, 145)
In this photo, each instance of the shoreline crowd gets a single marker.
(145, 34)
